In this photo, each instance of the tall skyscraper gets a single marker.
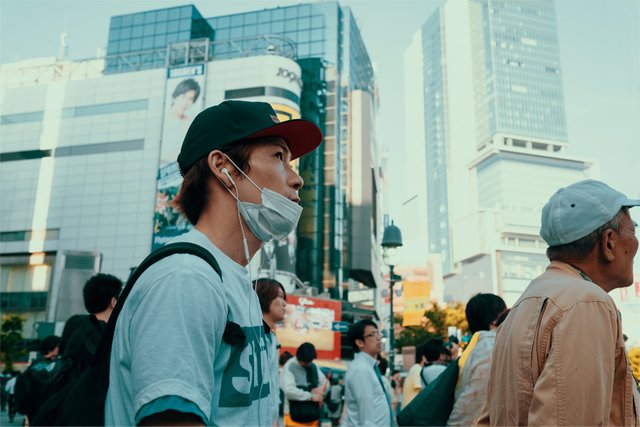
(494, 138)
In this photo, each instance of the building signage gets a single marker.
(309, 319)
(183, 101)
(289, 75)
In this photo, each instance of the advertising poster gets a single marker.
(183, 101)
(417, 298)
(310, 319)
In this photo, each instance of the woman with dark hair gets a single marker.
(273, 302)
(483, 312)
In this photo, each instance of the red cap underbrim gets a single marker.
(302, 136)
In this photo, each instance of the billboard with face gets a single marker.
(183, 101)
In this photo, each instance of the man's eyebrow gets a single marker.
(283, 145)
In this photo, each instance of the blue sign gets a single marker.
(340, 326)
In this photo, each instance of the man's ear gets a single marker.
(360, 344)
(114, 301)
(608, 244)
(217, 161)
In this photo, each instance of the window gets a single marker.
(34, 116)
(115, 107)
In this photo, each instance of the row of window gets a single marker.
(26, 235)
(150, 29)
(280, 14)
(82, 111)
(261, 91)
(152, 16)
(75, 150)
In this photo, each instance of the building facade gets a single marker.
(89, 147)
(494, 139)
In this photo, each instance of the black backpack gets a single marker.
(81, 403)
(38, 382)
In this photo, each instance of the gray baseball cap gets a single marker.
(575, 211)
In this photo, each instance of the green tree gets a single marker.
(11, 337)
(435, 324)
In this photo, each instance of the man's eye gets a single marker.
(279, 155)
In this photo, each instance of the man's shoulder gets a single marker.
(564, 287)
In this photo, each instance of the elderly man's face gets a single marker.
(625, 251)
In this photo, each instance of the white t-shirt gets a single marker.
(432, 372)
(168, 342)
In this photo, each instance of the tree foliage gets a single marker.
(435, 324)
(11, 337)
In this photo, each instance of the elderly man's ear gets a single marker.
(608, 244)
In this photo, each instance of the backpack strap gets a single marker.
(104, 347)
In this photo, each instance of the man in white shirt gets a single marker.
(366, 399)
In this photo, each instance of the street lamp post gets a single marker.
(391, 241)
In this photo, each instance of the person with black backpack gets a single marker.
(186, 343)
(34, 385)
(189, 345)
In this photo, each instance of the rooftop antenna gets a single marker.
(64, 41)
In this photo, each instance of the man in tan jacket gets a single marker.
(559, 357)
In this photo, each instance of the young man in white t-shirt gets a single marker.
(174, 358)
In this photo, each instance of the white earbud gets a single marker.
(224, 171)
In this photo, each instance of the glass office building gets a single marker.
(521, 75)
(494, 138)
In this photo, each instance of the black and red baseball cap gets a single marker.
(235, 121)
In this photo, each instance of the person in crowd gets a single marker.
(559, 356)
(171, 360)
(100, 294)
(9, 389)
(482, 311)
(32, 386)
(304, 386)
(335, 400)
(436, 356)
(273, 303)
(282, 360)
(366, 399)
(413, 382)
(453, 346)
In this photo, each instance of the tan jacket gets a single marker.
(559, 358)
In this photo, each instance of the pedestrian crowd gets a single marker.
(193, 342)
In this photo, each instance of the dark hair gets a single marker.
(502, 317)
(267, 290)
(184, 87)
(306, 352)
(583, 247)
(356, 332)
(99, 290)
(286, 355)
(482, 310)
(453, 339)
(194, 193)
(433, 348)
(49, 343)
(419, 353)
(383, 364)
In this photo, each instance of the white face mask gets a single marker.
(275, 218)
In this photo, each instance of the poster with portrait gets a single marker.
(184, 99)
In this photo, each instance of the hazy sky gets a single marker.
(599, 46)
